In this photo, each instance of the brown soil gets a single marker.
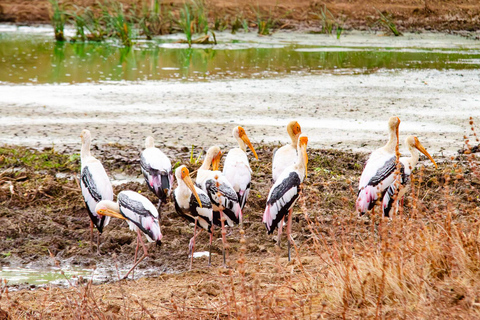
(44, 219)
(444, 15)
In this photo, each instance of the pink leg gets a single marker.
(289, 231)
(210, 248)
(145, 254)
(192, 243)
(224, 239)
(279, 235)
(135, 258)
(91, 234)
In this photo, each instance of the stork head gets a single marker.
(214, 154)
(302, 145)
(413, 142)
(239, 133)
(294, 130)
(108, 208)
(86, 136)
(393, 124)
(182, 174)
(149, 142)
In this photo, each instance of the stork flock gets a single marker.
(217, 198)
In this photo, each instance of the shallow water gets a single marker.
(35, 58)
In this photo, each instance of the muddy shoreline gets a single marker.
(409, 15)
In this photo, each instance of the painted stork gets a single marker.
(193, 204)
(286, 155)
(95, 184)
(157, 170)
(407, 164)
(237, 168)
(224, 199)
(367, 193)
(140, 214)
(284, 194)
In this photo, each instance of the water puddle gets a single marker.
(33, 57)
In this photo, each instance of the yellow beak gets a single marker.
(110, 213)
(419, 146)
(303, 149)
(216, 161)
(249, 144)
(189, 183)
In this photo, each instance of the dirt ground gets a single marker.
(443, 15)
(44, 222)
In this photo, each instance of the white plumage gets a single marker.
(286, 155)
(284, 193)
(157, 170)
(237, 167)
(95, 184)
(369, 185)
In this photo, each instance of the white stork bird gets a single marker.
(368, 192)
(95, 184)
(221, 193)
(286, 155)
(157, 170)
(193, 204)
(392, 181)
(237, 168)
(140, 214)
(284, 194)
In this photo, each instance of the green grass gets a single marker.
(58, 20)
(386, 21)
(330, 24)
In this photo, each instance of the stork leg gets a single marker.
(224, 239)
(98, 243)
(135, 258)
(279, 235)
(159, 210)
(145, 254)
(191, 245)
(210, 248)
(289, 232)
(91, 234)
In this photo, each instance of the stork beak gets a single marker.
(305, 157)
(419, 146)
(216, 161)
(110, 213)
(189, 183)
(249, 144)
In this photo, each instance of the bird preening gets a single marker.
(220, 197)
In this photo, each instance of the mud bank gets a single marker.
(346, 112)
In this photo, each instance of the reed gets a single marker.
(385, 21)
(58, 20)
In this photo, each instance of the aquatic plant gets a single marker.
(154, 20)
(117, 23)
(330, 24)
(58, 20)
(386, 21)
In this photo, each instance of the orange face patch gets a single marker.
(185, 173)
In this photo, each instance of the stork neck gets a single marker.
(300, 163)
(111, 205)
(414, 156)
(242, 144)
(294, 140)
(392, 142)
(207, 162)
(85, 151)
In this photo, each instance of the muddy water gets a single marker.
(341, 92)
